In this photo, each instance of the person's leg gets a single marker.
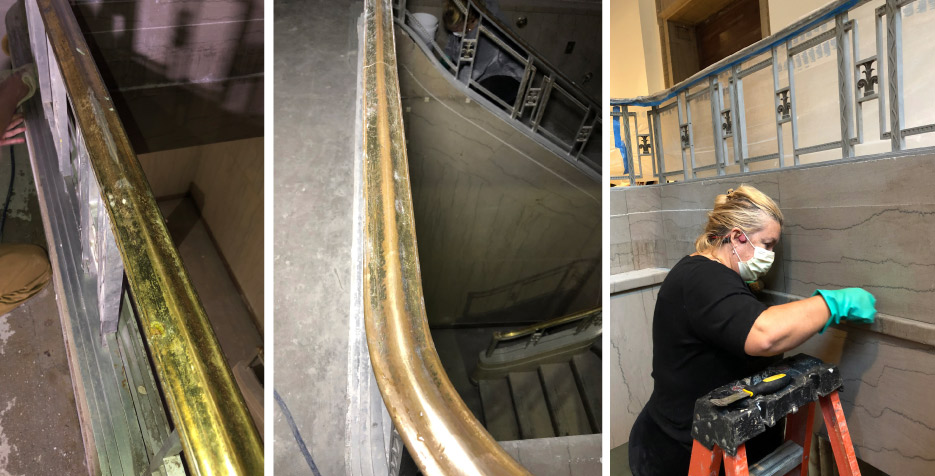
(24, 271)
(504, 87)
(653, 453)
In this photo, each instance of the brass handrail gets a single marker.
(441, 433)
(540, 326)
(214, 426)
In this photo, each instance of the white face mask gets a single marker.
(457, 33)
(758, 265)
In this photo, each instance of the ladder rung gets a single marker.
(780, 461)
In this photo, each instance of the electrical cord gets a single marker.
(295, 433)
(9, 193)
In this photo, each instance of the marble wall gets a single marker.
(866, 223)
(632, 301)
(507, 231)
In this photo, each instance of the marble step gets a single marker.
(587, 369)
(564, 400)
(532, 412)
(499, 414)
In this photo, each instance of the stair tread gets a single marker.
(532, 412)
(587, 366)
(564, 400)
(499, 415)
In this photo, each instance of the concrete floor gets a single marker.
(315, 80)
(39, 429)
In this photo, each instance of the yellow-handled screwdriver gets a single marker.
(768, 385)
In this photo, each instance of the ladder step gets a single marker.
(781, 461)
(531, 409)
(499, 415)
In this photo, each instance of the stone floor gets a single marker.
(315, 76)
(39, 429)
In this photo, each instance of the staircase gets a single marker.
(556, 399)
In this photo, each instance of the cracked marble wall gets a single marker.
(865, 223)
(631, 348)
(507, 231)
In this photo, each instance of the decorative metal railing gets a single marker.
(796, 97)
(439, 430)
(136, 333)
(548, 105)
(585, 319)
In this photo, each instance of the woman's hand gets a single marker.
(13, 130)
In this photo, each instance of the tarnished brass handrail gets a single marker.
(540, 326)
(439, 430)
(214, 426)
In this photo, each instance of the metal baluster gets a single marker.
(845, 84)
(794, 117)
(650, 121)
(894, 47)
(714, 93)
(881, 105)
(684, 139)
(778, 107)
(657, 144)
(740, 120)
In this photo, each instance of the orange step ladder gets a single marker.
(791, 458)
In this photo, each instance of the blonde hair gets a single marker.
(744, 207)
(452, 15)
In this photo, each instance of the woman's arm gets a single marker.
(784, 327)
(781, 328)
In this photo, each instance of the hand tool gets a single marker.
(768, 385)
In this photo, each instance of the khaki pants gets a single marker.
(24, 271)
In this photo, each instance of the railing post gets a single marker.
(688, 173)
(714, 93)
(845, 84)
(894, 50)
(740, 119)
(657, 144)
(793, 119)
(776, 105)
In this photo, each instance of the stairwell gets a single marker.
(555, 400)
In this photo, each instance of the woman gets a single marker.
(709, 329)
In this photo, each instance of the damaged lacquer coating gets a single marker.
(215, 428)
(440, 431)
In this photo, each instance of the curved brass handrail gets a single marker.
(214, 426)
(439, 430)
(541, 326)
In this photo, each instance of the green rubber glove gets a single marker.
(851, 304)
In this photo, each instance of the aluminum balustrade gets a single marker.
(548, 106)
(803, 95)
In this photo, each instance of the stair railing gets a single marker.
(134, 325)
(439, 430)
(772, 101)
(585, 319)
(543, 95)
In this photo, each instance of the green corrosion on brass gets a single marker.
(217, 434)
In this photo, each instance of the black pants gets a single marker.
(653, 453)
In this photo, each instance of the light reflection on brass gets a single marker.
(216, 431)
(439, 430)
(558, 321)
